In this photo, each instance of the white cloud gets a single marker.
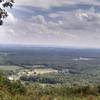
(39, 19)
(42, 3)
(11, 18)
(50, 3)
(67, 28)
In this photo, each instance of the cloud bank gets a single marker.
(68, 23)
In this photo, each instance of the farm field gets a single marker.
(9, 67)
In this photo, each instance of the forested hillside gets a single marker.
(15, 90)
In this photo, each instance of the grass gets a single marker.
(9, 67)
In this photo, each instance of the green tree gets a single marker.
(17, 88)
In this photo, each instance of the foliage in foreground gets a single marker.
(15, 90)
(4, 4)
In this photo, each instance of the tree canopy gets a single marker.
(3, 5)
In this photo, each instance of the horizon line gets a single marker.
(52, 46)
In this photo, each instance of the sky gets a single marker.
(67, 23)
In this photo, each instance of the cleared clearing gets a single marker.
(9, 67)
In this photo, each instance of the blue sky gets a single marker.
(68, 23)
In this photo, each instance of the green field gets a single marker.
(9, 67)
